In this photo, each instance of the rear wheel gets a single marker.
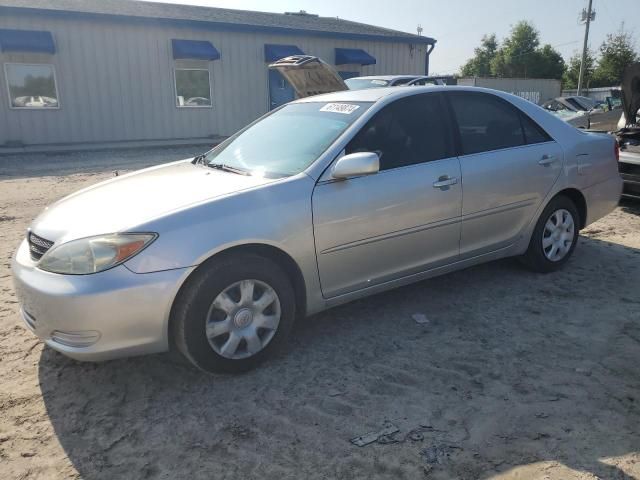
(234, 313)
(554, 237)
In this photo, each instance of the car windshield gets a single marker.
(360, 83)
(287, 141)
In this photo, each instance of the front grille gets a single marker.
(38, 246)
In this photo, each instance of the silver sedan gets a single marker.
(325, 200)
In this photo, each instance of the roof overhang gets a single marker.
(219, 26)
(274, 52)
(355, 56)
(34, 41)
(194, 49)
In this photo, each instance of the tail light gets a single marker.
(616, 151)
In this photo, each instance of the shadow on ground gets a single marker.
(512, 368)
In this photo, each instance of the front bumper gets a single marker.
(111, 314)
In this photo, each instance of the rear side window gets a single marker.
(409, 131)
(486, 123)
(533, 133)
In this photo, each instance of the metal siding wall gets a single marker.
(544, 88)
(116, 80)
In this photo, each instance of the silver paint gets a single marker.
(348, 238)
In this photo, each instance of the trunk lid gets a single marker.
(631, 93)
(309, 75)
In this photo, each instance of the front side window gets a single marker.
(31, 86)
(485, 123)
(289, 140)
(407, 132)
(193, 88)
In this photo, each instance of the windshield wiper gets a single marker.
(198, 158)
(228, 168)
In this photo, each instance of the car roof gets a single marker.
(384, 77)
(375, 94)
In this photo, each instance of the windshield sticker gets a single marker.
(379, 82)
(345, 108)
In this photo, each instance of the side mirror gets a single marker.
(356, 164)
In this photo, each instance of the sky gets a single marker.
(458, 25)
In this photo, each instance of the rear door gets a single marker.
(508, 164)
(404, 219)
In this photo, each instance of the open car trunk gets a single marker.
(309, 75)
(631, 94)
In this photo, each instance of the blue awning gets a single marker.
(354, 56)
(194, 49)
(276, 52)
(26, 41)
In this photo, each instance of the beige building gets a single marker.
(100, 71)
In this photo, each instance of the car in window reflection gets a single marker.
(324, 200)
(36, 101)
(198, 102)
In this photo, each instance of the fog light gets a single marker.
(75, 339)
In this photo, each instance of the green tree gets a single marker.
(519, 56)
(616, 52)
(572, 70)
(480, 64)
(546, 62)
(514, 57)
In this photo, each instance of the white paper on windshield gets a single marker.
(345, 108)
(379, 82)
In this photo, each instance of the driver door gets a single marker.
(401, 221)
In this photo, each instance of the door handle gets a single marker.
(444, 182)
(547, 160)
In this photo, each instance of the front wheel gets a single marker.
(234, 313)
(554, 237)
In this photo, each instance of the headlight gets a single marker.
(94, 254)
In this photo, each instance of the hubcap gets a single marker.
(558, 234)
(243, 319)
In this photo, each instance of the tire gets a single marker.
(539, 256)
(215, 323)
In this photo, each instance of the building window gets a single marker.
(31, 86)
(193, 87)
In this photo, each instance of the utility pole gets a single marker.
(589, 16)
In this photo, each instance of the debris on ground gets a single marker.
(335, 393)
(367, 438)
(420, 318)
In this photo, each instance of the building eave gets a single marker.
(218, 26)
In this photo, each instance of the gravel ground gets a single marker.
(513, 375)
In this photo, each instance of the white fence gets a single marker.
(536, 90)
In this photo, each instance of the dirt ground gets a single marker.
(514, 375)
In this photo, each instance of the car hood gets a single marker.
(309, 75)
(631, 92)
(122, 203)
